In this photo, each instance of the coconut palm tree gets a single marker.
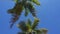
(26, 27)
(29, 28)
(21, 5)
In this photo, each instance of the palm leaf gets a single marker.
(38, 31)
(11, 11)
(44, 30)
(22, 26)
(35, 1)
(26, 11)
(21, 33)
(31, 9)
(29, 28)
(16, 1)
(29, 22)
(35, 23)
(16, 12)
(29, 25)
(17, 9)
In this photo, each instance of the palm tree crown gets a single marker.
(21, 5)
(28, 27)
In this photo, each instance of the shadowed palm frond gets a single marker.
(15, 12)
(17, 9)
(21, 33)
(13, 20)
(24, 26)
(28, 6)
(29, 22)
(26, 11)
(31, 8)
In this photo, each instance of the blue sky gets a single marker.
(48, 13)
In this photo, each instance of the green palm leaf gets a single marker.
(26, 11)
(16, 1)
(31, 9)
(21, 33)
(29, 28)
(22, 26)
(19, 6)
(15, 12)
(35, 23)
(29, 22)
(38, 31)
(44, 30)
(35, 1)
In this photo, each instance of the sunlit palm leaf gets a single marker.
(15, 0)
(35, 1)
(35, 23)
(44, 30)
(26, 11)
(38, 31)
(29, 27)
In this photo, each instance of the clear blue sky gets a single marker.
(48, 13)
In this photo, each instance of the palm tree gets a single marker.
(26, 27)
(29, 28)
(21, 5)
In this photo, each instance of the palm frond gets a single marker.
(38, 31)
(22, 26)
(17, 1)
(36, 20)
(28, 27)
(31, 9)
(29, 22)
(11, 11)
(35, 1)
(16, 12)
(44, 30)
(21, 33)
(13, 20)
